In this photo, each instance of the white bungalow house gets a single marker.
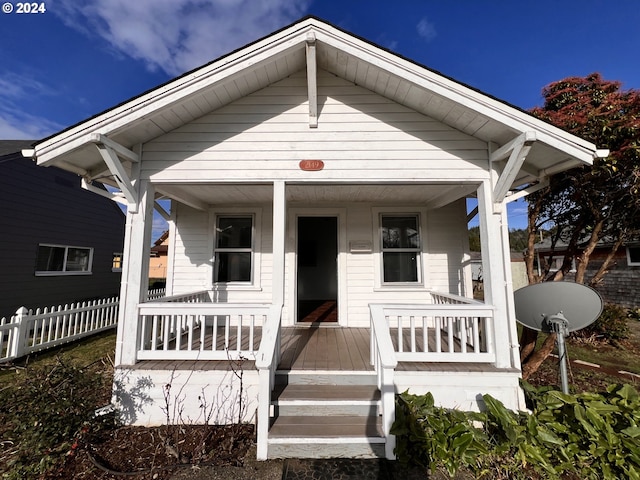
(318, 257)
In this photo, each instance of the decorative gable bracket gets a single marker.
(517, 151)
(312, 81)
(113, 153)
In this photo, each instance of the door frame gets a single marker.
(292, 260)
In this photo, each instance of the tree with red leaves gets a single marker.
(586, 206)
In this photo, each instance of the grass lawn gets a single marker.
(97, 348)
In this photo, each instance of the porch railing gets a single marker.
(441, 332)
(267, 361)
(450, 330)
(190, 297)
(194, 329)
(383, 358)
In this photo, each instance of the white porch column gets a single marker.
(514, 342)
(495, 261)
(135, 274)
(279, 235)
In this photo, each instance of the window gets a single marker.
(555, 263)
(233, 249)
(116, 262)
(63, 260)
(401, 248)
(633, 256)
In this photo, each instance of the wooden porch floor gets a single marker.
(318, 347)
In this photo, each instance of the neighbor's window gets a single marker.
(233, 249)
(633, 256)
(401, 248)
(63, 260)
(116, 262)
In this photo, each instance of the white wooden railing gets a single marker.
(452, 329)
(191, 297)
(195, 329)
(440, 332)
(267, 361)
(384, 361)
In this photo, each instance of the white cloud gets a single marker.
(426, 29)
(178, 35)
(15, 123)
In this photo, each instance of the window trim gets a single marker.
(629, 262)
(256, 232)
(64, 272)
(421, 216)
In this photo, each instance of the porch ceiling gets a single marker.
(428, 195)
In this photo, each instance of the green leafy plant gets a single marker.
(590, 435)
(429, 435)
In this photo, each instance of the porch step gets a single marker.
(326, 437)
(324, 377)
(330, 400)
(325, 415)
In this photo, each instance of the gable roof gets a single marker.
(283, 53)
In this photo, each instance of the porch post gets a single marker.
(279, 235)
(511, 307)
(495, 261)
(135, 274)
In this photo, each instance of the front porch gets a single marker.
(302, 384)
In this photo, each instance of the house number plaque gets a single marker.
(311, 165)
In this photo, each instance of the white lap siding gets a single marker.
(264, 135)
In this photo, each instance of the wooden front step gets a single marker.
(335, 416)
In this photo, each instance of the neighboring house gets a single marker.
(158, 260)
(318, 237)
(59, 242)
(620, 286)
(518, 270)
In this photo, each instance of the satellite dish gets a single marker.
(535, 304)
(559, 307)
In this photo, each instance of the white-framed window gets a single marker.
(63, 260)
(633, 256)
(233, 248)
(400, 248)
(116, 262)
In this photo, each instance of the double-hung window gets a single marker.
(401, 248)
(233, 248)
(63, 260)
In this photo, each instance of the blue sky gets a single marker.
(81, 57)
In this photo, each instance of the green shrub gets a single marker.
(610, 325)
(591, 436)
(429, 435)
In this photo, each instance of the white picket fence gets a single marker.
(31, 331)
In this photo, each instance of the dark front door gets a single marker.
(317, 269)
